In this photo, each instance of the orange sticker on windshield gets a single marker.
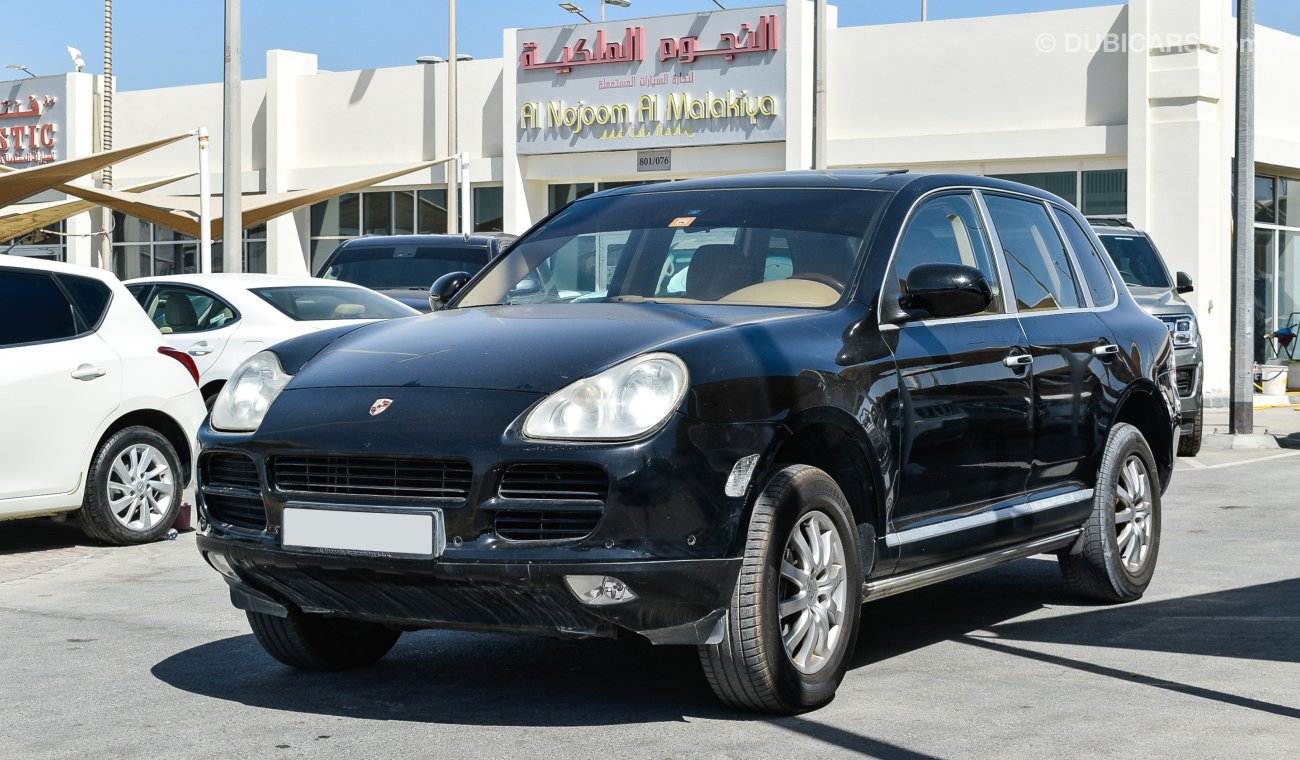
(682, 221)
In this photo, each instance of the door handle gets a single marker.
(199, 349)
(1105, 349)
(1018, 360)
(87, 372)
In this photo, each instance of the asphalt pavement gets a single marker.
(136, 653)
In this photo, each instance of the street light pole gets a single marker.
(106, 140)
(205, 205)
(819, 86)
(1241, 409)
(232, 259)
(452, 167)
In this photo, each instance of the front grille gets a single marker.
(546, 524)
(1185, 377)
(566, 482)
(373, 477)
(232, 491)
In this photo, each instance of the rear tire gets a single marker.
(1190, 445)
(791, 663)
(315, 642)
(133, 488)
(1115, 557)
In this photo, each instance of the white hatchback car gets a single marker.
(222, 319)
(95, 414)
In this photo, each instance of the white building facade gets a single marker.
(1125, 110)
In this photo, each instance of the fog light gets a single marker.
(738, 481)
(599, 590)
(221, 565)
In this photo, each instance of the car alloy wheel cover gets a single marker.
(813, 594)
(1134, 529)
(140, 487)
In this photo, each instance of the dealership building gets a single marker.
(1126, 111)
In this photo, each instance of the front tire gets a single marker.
(1114, 559)
(793, 618)
(315, 642)
(133, 488)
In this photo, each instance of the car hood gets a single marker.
(533, 348)
(1159, 301)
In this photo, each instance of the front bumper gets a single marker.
(677, 601)
(666, 527)
(1190, 375)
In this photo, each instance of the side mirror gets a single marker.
(529, 286)
(445, 288)
(1184, 283)
(946, 290)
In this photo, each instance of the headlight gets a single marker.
(1182, 328)
(243, 401)
(622, 402)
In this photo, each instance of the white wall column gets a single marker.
(1179, 175)
(287, 236)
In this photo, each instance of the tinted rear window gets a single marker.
(90, 296)
(413, 267)
(32, 309)
(1137, 261)
(1095, 274)
(318, 302)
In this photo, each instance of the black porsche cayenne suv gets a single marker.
(721, 413)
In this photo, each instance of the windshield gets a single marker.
(765, 247)
(307, 303)
(402, 267)
(1137, 261)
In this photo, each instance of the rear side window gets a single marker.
(1040, 269)
(33, 309)
(175, 309)
(1095, 274)
(90, 296)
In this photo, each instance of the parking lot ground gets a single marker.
(136, 652)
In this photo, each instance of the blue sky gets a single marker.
(161, 43)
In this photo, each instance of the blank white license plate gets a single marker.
(418, 533)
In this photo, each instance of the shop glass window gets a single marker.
(377, 216)
(403, 212)
(560, 196)
(1040, 269)
(1105, 192)
(431, 212)
(1063, 184)
(1265, 283)
(336, 217)
(489, 209)
(33, 309)
(1265, 200)
(1095, 273)
(1288, 202)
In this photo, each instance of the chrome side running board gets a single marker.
(872, 590)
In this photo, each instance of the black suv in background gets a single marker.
(403, 267)
(792, 394)
(1143, 270)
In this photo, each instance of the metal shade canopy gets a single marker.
(24, 183)
(181, 213)
(25, 218)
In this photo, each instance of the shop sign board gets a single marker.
(32, 123)
(670, 81)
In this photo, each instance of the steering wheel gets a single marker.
(824, 279)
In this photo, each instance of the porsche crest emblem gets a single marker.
(380, 406)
